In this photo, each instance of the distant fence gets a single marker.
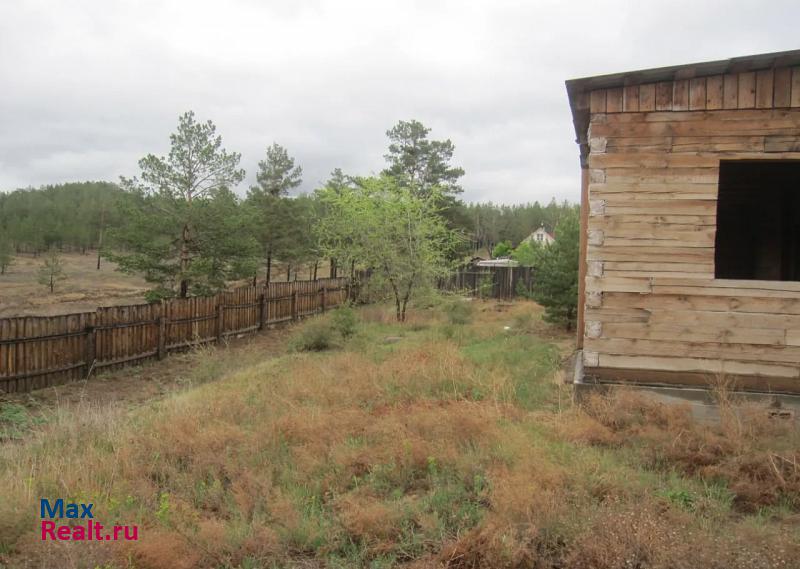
(41, 351)
(490, 282)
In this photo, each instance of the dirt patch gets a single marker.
(84, 289)
(138, 384)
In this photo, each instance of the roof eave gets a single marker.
(579, 89)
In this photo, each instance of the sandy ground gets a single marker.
(86, 288)
(134, 385)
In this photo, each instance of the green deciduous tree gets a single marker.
(165, 236)
(390, 229)
(502, 249)
(422, 164)
(51, 271)
(527, 254)
(556, 281)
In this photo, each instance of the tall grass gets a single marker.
(435, 450)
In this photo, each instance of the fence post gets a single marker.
(91, 353)
(294, 305)
(261, 310)
(162, 337)
(323, 290)
(220, 321)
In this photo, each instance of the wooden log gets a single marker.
(678, 254)
(711, 366)
(656, 207)
(785, 145)
(684, 378)
(697, 159)
(721, 302)
(682, 348)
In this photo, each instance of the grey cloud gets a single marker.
(91, 86)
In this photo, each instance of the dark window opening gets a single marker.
(758, 221)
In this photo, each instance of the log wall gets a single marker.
(654, 313)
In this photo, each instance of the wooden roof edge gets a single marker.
(579, 89)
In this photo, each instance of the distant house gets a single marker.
(540, 236)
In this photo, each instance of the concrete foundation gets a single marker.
(702, 402)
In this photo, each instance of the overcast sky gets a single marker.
(88, 87)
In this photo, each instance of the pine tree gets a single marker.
(272, 215)
(277, 175)
(166, 234)
(422, 164)
(556, 280)
(51, 271)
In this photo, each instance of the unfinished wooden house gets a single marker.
(690, 247)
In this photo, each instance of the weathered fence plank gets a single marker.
(490, 282)
(42, 351)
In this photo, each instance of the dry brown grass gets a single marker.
(430, 452)
(756, 454)
(86, 288)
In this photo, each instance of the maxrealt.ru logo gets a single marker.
(87, 529)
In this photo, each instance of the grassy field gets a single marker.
(85, 287)
(450, 441)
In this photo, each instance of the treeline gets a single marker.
(66, 216)
(489, 224)
(180, 224)
(73, 216)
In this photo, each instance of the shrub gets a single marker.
(344, 321)
(15, 421)
(502, 249)
(315, 336)
(458, 312)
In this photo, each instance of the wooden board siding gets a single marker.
(654, 311)
(767, 89)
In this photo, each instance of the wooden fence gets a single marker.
(490, 282)
(41, 351)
